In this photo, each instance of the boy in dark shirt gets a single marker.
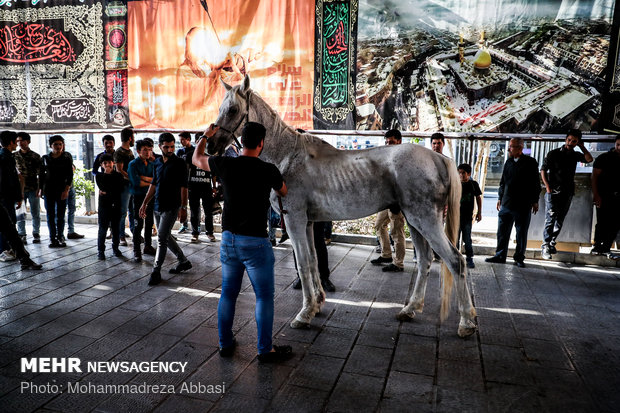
(110, 185)
(470, 190)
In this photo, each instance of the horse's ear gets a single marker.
(226, 85)
(245, 86)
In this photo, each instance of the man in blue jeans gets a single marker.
(169, 188)
(29, 166)
(247, 183)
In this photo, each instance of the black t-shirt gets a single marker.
(247, 183)
(56, 174)
(169, 177)
(198, 178)
(609, 180)
(470, 191)
(560, 165)
(125, 156)
(112, 184)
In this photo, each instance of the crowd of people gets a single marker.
(157, 189)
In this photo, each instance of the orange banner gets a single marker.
(179, 51)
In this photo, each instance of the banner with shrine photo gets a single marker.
(63, 64)
(335, 64)
(180, 52)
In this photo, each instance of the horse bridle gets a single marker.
(246, 118)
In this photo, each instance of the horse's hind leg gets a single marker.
(425, 257)
(299, 230)
(456, 265)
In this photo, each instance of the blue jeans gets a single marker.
(466, 237)
(254, 254)
(55, 208)
(71, 211)
(521, 220)
(35, 211)
(125, 199)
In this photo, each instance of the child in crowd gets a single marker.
(470, 190)
(110, 185)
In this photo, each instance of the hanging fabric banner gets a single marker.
(334, 65)
(182, 51)
(63, 64)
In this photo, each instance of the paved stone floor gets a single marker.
(548, 338)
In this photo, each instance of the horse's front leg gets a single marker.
(300, 231)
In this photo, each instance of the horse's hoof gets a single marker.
(403, 316)
(299, 324)
(466, 330)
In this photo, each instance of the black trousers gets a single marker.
(521, 220)
(557, 206)
(607, 223)
(9, 232)
(321, 250)
(196, 195)
(140, 223)
(108, 216)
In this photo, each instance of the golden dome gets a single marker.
(482, 59)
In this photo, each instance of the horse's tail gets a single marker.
(452, 231)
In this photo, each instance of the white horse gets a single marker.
(325, 183)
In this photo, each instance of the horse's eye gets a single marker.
(232, 111)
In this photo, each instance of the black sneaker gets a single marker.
(182, 266)
(118, 253)
(279, 353)
(393, 268)
(520, 264)
(62, 243)
(328, 285)
(28, 264)
(380, 260)
(297, 284)
(228, 351)
(552, 249)
(137, 258)
(54, 244)
(183, 229)
(75, 235)
(496, 259)
(61, 239)
(155, 278)
(470, 263)
(101, 256)
(149, 250)
(36, 239)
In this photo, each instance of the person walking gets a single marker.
(122, 156)
(140, 173)
(169, 188)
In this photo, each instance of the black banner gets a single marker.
(334, 66)
(63, 64)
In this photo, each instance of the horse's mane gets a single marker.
(303, 139)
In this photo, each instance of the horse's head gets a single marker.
(234, 112)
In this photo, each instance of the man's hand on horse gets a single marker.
(213, 128)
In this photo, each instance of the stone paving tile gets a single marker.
(260, 381)
(317, 372)
(449, 399)
(334, 342)
(181, 404)
(460, 375)
(355, 393)
(370, 361)
(297, 399)
(415, 354)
